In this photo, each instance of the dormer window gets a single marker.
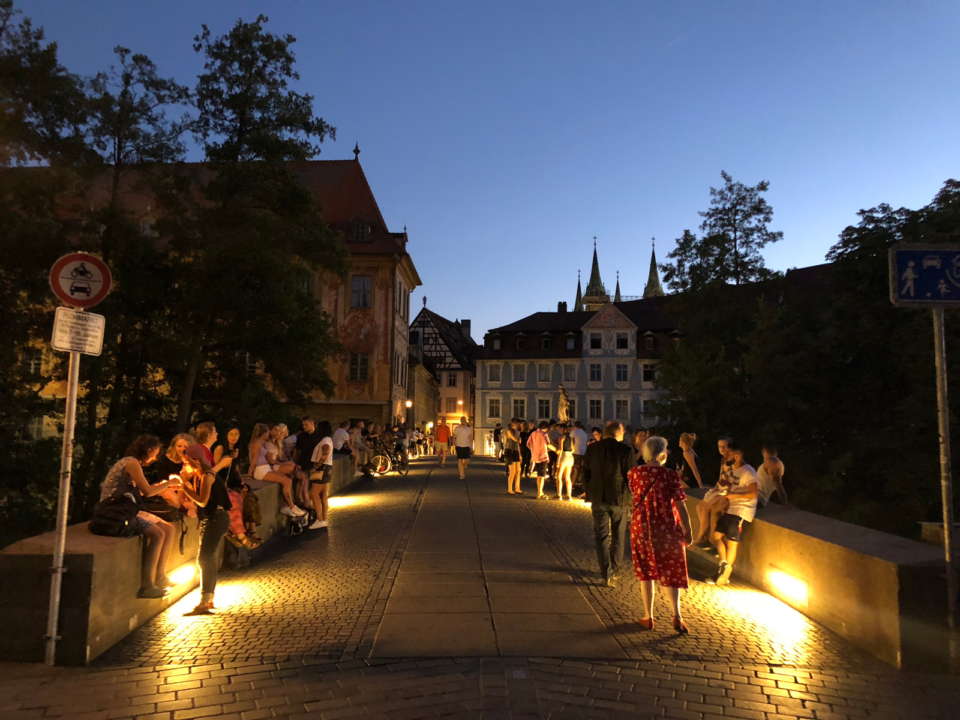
(496, 343)
(649, 342)
(147, 229)
(545, 343)
(519, 343)
(360, 232)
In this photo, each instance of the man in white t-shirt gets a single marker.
(742, 494)
(343, 445)
(321, 473)
(463, 439)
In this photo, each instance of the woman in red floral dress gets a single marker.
(659, 530)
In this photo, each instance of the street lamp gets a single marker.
(409, 405)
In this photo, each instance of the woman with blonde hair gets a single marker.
(659, 530)
(262, 469)
(688, 461)
(169, 465)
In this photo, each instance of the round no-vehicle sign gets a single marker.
(80, 280)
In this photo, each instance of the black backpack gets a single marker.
(117, 515)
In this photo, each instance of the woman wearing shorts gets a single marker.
(511, 453)
(565, 463)
(127, 473)
(322, 474)
(261, 468)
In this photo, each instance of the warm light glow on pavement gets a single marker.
(345, 501)
(183, 574)
(788, 587)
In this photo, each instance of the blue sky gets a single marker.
(506, 135)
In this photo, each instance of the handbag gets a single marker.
(316, 475)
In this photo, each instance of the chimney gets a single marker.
(561, 307)
(465, 327)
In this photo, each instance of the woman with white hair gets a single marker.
(659, 530)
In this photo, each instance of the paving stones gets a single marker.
(296, 633)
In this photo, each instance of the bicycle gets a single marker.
(386, 459)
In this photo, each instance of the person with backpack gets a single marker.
(120, 496)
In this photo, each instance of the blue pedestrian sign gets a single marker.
(925, 275)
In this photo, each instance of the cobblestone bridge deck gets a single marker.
(431, 596)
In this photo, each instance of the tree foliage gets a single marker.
(735, 229)
(212, 315)
(820, 362)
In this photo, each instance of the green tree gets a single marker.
(735, 229)
(250, 250)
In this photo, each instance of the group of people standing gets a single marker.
(645, 497)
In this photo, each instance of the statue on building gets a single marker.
(563, 407)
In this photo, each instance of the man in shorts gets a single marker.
(539, 444)
(742, 493)
(442, 439)
(463, 439)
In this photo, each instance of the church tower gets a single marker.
(578, 304)
(595, 296)
(653, 288)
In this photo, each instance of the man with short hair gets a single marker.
(742, 493)
(307, 440)
(463, 439)
(343, 445)
(441, 438)
(605, 468)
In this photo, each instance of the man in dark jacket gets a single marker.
(605, 469)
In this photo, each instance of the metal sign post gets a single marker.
(929, 276)
(80, 280)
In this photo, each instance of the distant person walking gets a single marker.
(659, 529)
(463, 439)
(442, 440)
(605, 469)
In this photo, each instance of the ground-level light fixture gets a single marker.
(789, 588)
(183, 574)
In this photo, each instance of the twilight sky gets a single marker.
(506, 135)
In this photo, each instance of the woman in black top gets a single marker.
(524, 450)
(229, 448)
(214, 511)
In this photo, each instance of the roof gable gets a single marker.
(609, 316)
(448, 345)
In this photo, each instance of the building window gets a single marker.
(648, 342)
(623, 372)
(596, 372)
(595, 341)
(494, 373)
(623, 409)
(519, 343)
(359, 232)
(596, 409)
(493, 408)
(451, 404)
(543, 372)
(622, 341)
(496, 343)
(569, 373)
(543, 409)
(545, 343)
(360, 295)
(33, 362)
(572, 409)
(570, 343)
(519, 408)
(415, 338)
(35, 428)
(451, 379)
(648, 372)
(358, 367)
(643, 407)
(519, 373)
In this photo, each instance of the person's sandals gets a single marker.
(251, 543)
(679, 626)
(201, 609)
(646, 624)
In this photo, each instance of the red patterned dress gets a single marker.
(656, 534)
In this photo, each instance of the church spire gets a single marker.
(616, 297)
(595, 286)
(578, 305)
(653, 288)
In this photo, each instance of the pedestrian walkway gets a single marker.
(430, 596)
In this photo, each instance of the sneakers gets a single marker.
(318, 524)
(292, 511)
(723, 578)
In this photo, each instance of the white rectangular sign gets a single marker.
(75, 331)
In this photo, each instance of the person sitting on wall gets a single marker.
(343, 445)
(715, 503)
(261, 469)
(770, 476)
(742, 494)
